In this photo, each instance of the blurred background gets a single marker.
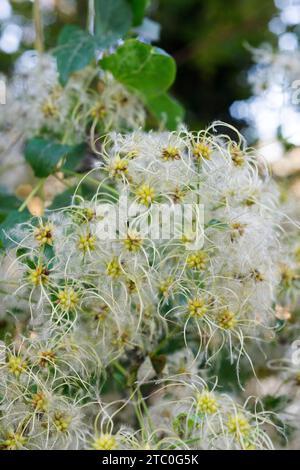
(220, 76)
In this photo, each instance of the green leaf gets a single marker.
(138, 9)
(141, 68)
(11, 221)
(217, 224)
(74, 156)
(275, 403)
(25, 255)
(49, 253)
(75, 50)
(166, 109)
(44, 155)
(8, 202)
(113, 19)
(184, 422)
(63, 199)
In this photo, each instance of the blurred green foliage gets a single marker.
(208, 40)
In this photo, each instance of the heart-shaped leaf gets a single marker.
(141, 67)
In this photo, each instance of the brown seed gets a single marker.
(282, 313)
(23, 191)
(36, 206)
(100, 86)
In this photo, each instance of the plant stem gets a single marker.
(38, 24)
(64, 182)
(110, 189)
(30, 196)
(91, 17)
(120, 368)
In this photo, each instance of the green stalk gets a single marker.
(91, 17)
(38, 24)
(33, 193)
